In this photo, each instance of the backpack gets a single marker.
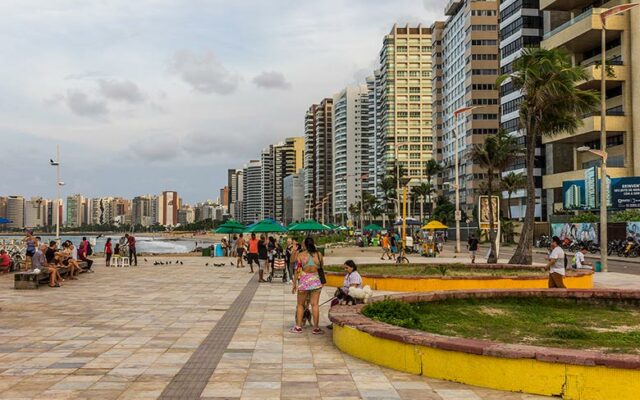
(89, 249)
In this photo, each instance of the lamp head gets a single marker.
(582, 149)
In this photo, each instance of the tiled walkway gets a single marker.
(128, 333)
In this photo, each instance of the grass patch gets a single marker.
(457, 269)
(566, 323)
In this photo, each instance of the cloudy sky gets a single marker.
(151, 95)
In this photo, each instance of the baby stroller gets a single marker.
(279, 270)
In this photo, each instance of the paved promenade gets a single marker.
(187, 331)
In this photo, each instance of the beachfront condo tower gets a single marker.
(466, 52)
(318, 160)
(576, 26)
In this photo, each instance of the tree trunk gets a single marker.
(522, 253)
(509, 205)
(493, 258)
(422, 210)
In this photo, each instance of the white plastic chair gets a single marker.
(114, 261)
(124, 262)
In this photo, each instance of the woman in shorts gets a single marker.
(307, 283)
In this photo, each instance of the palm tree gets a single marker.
(354, 210)
(423, 190)
(494, 155)
(376, 211)
(551, 105)
(511, 183)
(432, 168)
(368, 201)
(388, 187)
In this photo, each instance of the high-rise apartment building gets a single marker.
(318, 163)
(141, 210)
(75, 210)
(288, 158)
(102, 210)
(370, 153)
(404, 128)
(224, 196)
(576, 26)
(35, 212)
(170, 204)
(267, 184)
(15, 211)
(469, 66)
(236, 193)
(293, 197)
(252, 192)
(520, 27)
(3, 207)
(351, 141)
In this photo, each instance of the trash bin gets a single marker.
(219, 252)
(598, 266)
(375, 242)
(206, 252)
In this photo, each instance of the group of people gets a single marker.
(51, 259)
(126, 247)
(558, 263)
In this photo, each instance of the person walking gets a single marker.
(472, 245)
(386, 247)
(263, 258)
(108, 252)
(308, 283)
(556, 264)
(31, 243)
(252, 256)
(131, 244)
(240, 251)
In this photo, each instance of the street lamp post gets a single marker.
(456, 158)
(56, 163)
(603, 127)
(603, 205)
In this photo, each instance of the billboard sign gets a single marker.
(584, 194)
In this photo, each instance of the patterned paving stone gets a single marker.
(139, 333)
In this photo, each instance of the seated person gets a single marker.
(82, 254)
(53, 260)
(39, 262)
(5, 261)
(352, 278)
(66, 257)
(579, 261)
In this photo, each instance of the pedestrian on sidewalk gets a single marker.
(386, 246)
(472, 245)
(308, 282)
(252, 256)
(240, 252)
(133, 255)
(263, 258)
(108, 252)
(556, 264)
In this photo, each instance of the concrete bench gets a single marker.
(29, 280)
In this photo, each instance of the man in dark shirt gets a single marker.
(472, 245)
(50, 254)
(49, 262)
(131, 242)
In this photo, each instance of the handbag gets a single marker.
(321, 275)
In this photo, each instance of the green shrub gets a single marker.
(393, 312)
(569, 332)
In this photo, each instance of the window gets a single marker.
(484, 131)
(506, 69)
(426, 49)
(485, 116)
(414, 98)
(526, 21)
(511, 106)
(402, 49)
(484, 42)
(516, 6)
(484, 71)
(414, 90)
(484, 57)
(483, 28)
(511, 125)
(616, 140)
(483, 86)
(414, 114)
(484, 102)
(484, 13)
(524, 41)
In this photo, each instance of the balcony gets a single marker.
(620, 73)
(564, 5)
(590, 129)
(452, 7)
(580, 33)
(555, 180)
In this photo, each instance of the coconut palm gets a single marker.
(432, 169)
(494, 155)
(388, 188)
(511, 183)
(422, 191)
(551, 105)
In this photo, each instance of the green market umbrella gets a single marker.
(373, 228)
(231, 226)
(308, 226)
(267, 226)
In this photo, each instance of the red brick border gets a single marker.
(351, 316)
(542, 270)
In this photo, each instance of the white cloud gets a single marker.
(83, 105)
(204, 72)
(156, 148)
(126, 91)
(271, 80)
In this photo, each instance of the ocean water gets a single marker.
(144, 244)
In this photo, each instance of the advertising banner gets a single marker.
(587, 231)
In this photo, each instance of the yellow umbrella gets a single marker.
(433, 225)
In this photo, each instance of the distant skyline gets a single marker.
(148, 96)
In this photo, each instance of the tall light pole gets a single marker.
(603, 128)
(56, 163)
(456, 162)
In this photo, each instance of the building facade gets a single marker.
(576, 27)
(36, 212)
(520, 27)
(293, 197)
(170, 205)
(288, 158)
(350, 149)
(15, 211)
(141, 210)
(252, 192)
(405, 137)
(267, 184)
(468, 67)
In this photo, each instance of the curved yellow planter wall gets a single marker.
(572, 382)
(413, 284)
